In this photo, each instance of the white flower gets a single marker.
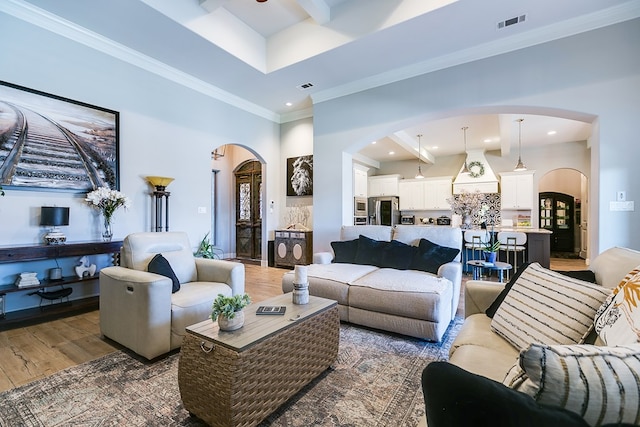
(107, 200)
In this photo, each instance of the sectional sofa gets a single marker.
(566, 342)
(404, 279)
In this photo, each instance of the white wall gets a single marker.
(165, 129)
(592, 77)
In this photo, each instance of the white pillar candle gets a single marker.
(300, 274)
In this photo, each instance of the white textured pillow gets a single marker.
(547, 307)
(617, 322)
(598, 383)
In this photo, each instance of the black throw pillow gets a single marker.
(584, 275)
(456, 397)
(491, 311)
(430, 256)
(369, 251)
(160, 265)
(397, 255)
(345, 251)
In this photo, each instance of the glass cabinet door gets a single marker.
(546, 212)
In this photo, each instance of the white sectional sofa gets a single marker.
(406, 301)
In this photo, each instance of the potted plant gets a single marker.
(206, 249)
(491, 248)
(228, 311)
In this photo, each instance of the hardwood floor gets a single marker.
(34, 352)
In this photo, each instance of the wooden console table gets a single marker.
(26, 253)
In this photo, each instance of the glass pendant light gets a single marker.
(465, 167)
(419, 174)
(520, 166)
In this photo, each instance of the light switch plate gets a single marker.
(202, 210)
(621, 196)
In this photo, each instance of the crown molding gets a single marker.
(570, 27)
(48, 21)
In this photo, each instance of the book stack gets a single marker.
(27, 279)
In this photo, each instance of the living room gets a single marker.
(170, 125)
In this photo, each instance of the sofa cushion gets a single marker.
(193, 304)
(369, 251)
(160, 265)
(376, 232)
(546, 307)
(444, 236)
(430, 256)
(397, 255)
(345, 251)
(491, 311)
(618, 320)
(598, 383)
(611, 265)
(456, 397)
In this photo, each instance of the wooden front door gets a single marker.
(249, 210)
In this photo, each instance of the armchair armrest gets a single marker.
(131, 298)
(221, 271)
(479, 295)
(322, 258)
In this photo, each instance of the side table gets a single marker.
(478, 265)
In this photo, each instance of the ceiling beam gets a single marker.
(319, 10)
(211, 5)
(410, 143)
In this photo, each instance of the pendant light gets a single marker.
(419, 174)
(520, 166)
(465, 167)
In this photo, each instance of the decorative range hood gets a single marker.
(481, 177)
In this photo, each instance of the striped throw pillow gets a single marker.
(617, 322)
(601, 384)
(547, 307)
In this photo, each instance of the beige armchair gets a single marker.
(138, 309)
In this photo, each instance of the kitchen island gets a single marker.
(538, 244)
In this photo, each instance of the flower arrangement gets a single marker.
(107, 201)
(465, 203)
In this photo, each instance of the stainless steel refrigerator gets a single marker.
(384, 210)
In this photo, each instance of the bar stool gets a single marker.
(474, 240)
(513, 244)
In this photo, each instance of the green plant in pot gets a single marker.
(228, 311)
(491, 249)
(206, 249)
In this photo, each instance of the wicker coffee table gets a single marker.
(238, 378)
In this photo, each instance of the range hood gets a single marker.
(480, 179)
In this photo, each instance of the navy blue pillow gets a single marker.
(397, 255)
(584, 275)
(345, 251)
(160, 265)
(430, 256)
(369, 251)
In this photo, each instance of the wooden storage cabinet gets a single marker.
(293, 247)
(516, 190)
(383, 185)
(26, 253)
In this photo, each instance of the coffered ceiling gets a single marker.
(277, 57)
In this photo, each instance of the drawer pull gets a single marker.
(203, 346)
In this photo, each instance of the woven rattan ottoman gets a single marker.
(238, 378)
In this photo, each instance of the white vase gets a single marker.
(466, 221)
(227, 324)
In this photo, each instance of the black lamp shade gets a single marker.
(54, 216)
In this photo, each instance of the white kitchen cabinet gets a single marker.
(516, 190)
(383, 185)
(360, 179)
(411, 194)
(436, 193)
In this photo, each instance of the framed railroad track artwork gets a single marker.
(48, 142)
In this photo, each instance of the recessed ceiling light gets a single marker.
(488, 140)
(551, 132)
(435, 147)
(391, 153)
(288, 104)
(373, 142)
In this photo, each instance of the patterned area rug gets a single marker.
(374, 382)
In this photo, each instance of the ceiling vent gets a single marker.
(305, 86)
(512, 21)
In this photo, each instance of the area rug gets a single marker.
(374, 382)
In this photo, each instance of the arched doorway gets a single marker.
(563, 209)
(248, 197)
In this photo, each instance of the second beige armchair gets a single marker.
(138, 308)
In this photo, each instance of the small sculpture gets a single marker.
(85, 269)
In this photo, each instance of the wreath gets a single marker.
(480, 167)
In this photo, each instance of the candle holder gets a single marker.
(300, 285)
